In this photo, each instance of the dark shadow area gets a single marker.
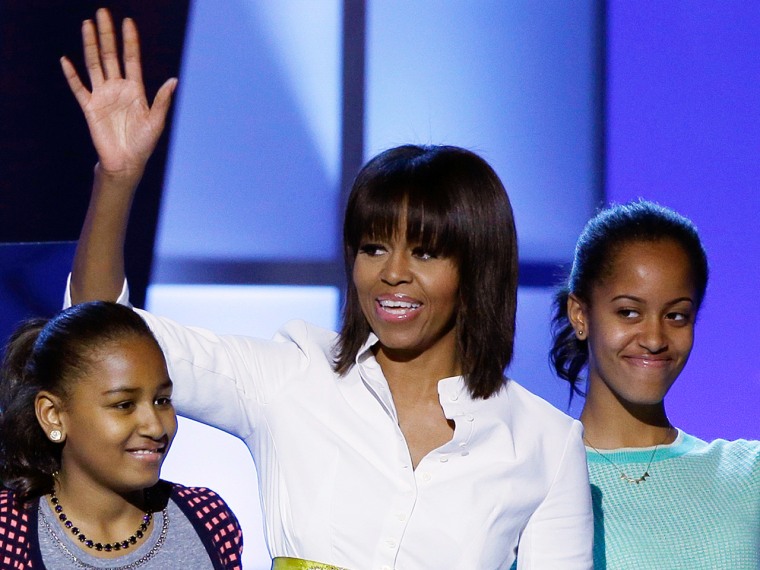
(47, 157)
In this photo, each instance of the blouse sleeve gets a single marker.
(560, 532)
(224, 380)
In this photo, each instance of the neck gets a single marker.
(603, 434)
(610, 424)
(416, 376)
(100, 513)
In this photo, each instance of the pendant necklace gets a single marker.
(623, 475)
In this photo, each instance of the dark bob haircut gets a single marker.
(455, 205)
(50, 355)
(601, 239)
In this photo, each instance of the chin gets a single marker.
(643, 400)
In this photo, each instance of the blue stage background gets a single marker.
(574, 103)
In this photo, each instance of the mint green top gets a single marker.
(699, 509)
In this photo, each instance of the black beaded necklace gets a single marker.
(89, 543)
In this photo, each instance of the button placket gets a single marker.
(396, 520)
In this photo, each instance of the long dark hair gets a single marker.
(49, 355)
(595, 252)
(455, 205)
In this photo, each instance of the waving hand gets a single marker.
(123, 127)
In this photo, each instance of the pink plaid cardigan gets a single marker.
(215, 523)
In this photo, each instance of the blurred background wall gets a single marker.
(237, 225)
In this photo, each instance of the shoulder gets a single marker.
(16, 532)
(200, 499)
(525, 406)
(9, 506)
(213, 520)
(204, 505)
(537, 431)
(306, 335)
(7, 498)
(739, 457)
(296, 334)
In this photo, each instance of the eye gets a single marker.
(679, 317)
(163, 401)
(423, 254)
(125, 405)
(627, 313)
(372, 249)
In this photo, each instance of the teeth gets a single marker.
(144, 451)
(398, 305)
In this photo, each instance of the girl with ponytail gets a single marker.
(86, 420)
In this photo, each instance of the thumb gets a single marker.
(162, 102)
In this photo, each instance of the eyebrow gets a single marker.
(640, 300)
(127, 390)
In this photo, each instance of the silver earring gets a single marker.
(580, 333)
(56, 435)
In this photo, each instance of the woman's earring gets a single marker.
(580, 333)
(56, 435)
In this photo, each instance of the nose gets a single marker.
(396, 268)
(152, 423)
(653, 336)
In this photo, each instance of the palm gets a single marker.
(120, 124)
(123, 127)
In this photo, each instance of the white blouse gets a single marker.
(336, 478)
(335, 475)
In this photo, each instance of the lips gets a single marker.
(649, 361)
(396, 307)
(148, 452)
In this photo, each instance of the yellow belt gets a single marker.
(284, 563)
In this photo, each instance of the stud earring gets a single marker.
(580, 333)
(56, 435)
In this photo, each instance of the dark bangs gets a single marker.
(453, 205)
(418, 203)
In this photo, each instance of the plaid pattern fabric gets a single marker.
(14, 534)
(207, 509)
(212, 519)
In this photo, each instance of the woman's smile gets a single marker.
(397, 307)
(408, 295)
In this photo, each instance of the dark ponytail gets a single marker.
(569, 354)
(48, 355)
(27, 457)
(599, 242)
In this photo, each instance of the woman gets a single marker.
(87, 420)
(662, 498)
(397, 443)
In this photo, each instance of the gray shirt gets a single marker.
(167, 546)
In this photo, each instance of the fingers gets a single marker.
(162, 102)
(132, 66)
(91, 54)
(109, 54)
(75, 84)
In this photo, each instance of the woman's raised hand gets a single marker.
(123, 127)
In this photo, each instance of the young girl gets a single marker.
(397, 443)
(86, 422)
(662, 498)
